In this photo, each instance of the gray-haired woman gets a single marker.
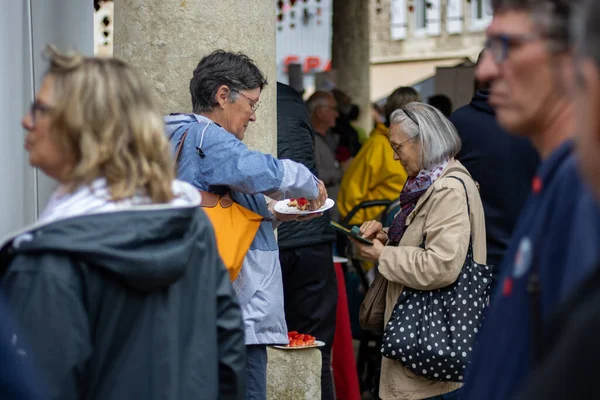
(428, 240)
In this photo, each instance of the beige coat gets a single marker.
(441, 216)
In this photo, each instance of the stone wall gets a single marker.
(166, 39)
(350, 54)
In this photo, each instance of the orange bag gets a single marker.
(235, 226)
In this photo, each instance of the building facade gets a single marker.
(411, 38)
(303, 39)
(103, 28)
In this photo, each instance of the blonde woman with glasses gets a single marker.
(118, 290)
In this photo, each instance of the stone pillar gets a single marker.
(350, 54)
(294, 374)
(166, 39)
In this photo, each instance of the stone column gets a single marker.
(294, 374)
(350, 54)
(166, 39)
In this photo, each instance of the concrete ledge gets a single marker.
(294, 374)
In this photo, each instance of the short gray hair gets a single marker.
(438, 137)
(317, 99)
(551, 17)
(585, 30)
(237, 71)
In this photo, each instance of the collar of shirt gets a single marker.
(548, 168)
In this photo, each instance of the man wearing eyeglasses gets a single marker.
(570, 369)
(553, 247)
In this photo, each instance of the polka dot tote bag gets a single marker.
(432, 332)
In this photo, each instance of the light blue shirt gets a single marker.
(214, 160)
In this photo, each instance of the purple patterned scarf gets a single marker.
(412, 191)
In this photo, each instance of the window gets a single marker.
(481, 14)
(433, 17)
(427, 17)
(421, 14)
(454, 19)
(398, 19)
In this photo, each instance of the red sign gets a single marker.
(311, 63)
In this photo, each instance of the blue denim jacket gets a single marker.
(214, 160)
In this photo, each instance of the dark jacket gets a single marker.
(542, 258)
(295, 141)
(127, 305)
(502, 164)
(571, 350)
(16, 378)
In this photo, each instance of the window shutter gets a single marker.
(434, 17)
(481, 14)
(454, 23)
(398, 19)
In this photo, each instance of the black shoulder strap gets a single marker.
(179, 147)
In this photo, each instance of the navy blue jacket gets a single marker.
(16, 379)
(570, 365)
(124, 305)
(501, 163)
(557, 208)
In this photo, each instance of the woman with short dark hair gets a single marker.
(225, 89)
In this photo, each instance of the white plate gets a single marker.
(282, 207)
(341, 260)
(318, 343)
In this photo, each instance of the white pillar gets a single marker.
(26, 26)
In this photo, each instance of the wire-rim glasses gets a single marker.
(253, 104)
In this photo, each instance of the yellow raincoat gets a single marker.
(372, 175)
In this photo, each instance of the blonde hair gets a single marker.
(398, 99)
(108, 121)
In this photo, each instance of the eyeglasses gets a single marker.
(36, 109)
(398, 147)
(499, 46)
(253, 104)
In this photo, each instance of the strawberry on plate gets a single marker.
(301, 204)
(300, 340)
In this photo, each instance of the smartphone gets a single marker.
(354, 233)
